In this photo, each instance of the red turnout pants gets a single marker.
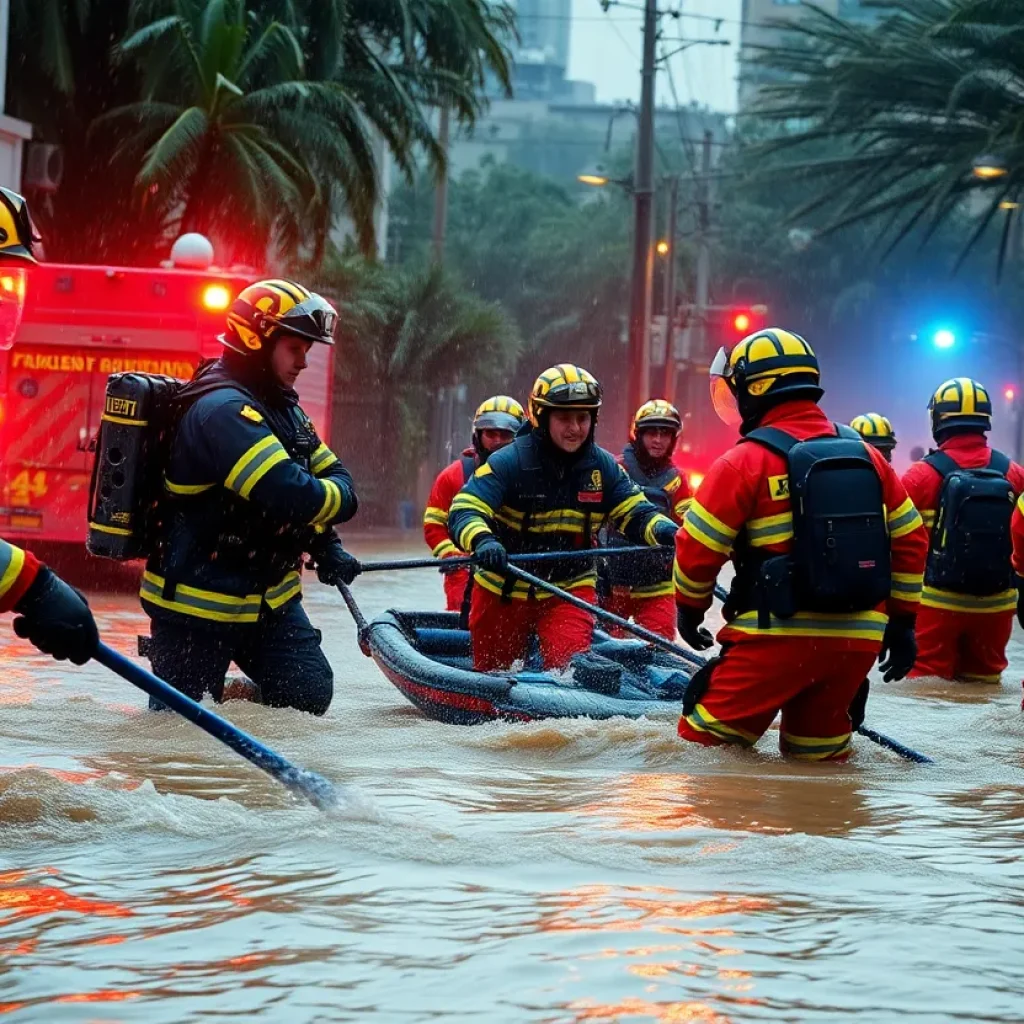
(454, 587)
(810, 679)
(658, 614)
(966, 646)
(500, 629)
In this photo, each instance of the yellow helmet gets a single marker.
(270, 308)
(499, 412)
(876, 430)
(17, 235)
(564, 387)
(960, 402)
(766, 367)
(656, 413)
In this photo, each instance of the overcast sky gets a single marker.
(606, 50)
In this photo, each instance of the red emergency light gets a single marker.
(741, 321)
(216, 296)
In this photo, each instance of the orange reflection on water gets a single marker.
(12, 1007)
(670, 1013)
(648, 802)
(30, 901)
(103, 995)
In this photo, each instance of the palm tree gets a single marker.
(907, 108)
(405, 333)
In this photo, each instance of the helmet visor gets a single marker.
(722, 397)
(497, 421)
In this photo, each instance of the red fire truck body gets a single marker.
(79, 325)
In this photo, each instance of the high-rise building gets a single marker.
(542, 53)
(757, 32)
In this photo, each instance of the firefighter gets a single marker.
(969, 599)
(641, 589)
(805, 617)
(50, 614)
(877, 431)
(249, 487)
(494, 425)
(551, 490)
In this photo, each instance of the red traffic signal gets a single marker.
(741, 322)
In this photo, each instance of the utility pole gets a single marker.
(441, 191)
(669, 386)
(699, 338)
(643, 194)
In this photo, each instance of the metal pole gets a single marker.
(698, 350)
(441, 192)
(643, 190)
(669, 386)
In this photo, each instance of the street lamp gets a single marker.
(989, 167)
(663, 247)
(593, 176)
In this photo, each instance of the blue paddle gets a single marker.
(315, 788)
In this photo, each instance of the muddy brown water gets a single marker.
(555, 872)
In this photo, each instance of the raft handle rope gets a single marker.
(315, 788)
(907, 753)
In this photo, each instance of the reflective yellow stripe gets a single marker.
(483, 470)
(682, 506)
(928, 517)
(284, 591)
(257, 473)
(186, 488)
(1004, 601)
(514, 513)
(654, 590)
(521, 591)
(690, 587)
(1020, 504)
(702, 526)
(463, 502)
(332, 502)
(855, 625)
(621, 514)
(906, 586)
(435, 515)
(118, 531)
(815, 748)
(202, 604)
(971, 677)
(904, 520)
(321, 459)
(12, 561)
(445, 548)
(655, 522)
(124, 421)
(770, 530)
(703, 721)
(470, 532)
(252, 453)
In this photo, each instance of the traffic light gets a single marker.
(741, 322)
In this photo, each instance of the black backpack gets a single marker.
(971, 545)
(841, 557)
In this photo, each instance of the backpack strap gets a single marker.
(942, 463)
(468, 467)
(842, 430)
(999, 462)
(773, 439)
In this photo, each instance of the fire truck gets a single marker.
(78, 325)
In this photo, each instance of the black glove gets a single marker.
(859, 704)
(691, 630)
(899, 648)
(490, 554)
(56, 618)
(665, 533)
(1020, 600)
(334, 564)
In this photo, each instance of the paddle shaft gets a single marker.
(638, 631)
(357, 614)
(542, 556)
(315, 788)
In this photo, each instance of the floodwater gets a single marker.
(555, 872)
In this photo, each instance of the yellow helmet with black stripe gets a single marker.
(17, 235)
(564, 386)
(656, 413)
(767, 367)
(960, 402)
(499, 412)
(876, 430)
(268, 309)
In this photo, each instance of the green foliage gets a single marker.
(906, 107)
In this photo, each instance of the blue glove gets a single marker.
(490, 554)
(56, 618)
(665, 533)
(899, 648)
(691, 630)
